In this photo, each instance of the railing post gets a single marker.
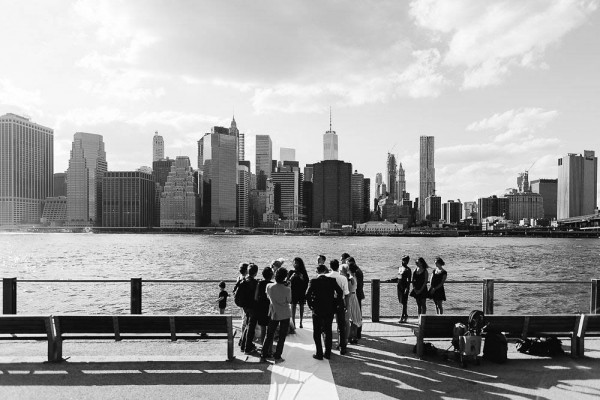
(595, 300)
(136, 295)
(375, 299)
(488, 296)
(9, 295)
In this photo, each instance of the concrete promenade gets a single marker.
(381, 366)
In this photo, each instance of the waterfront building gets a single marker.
(366, 199)
(492, 206)
(307, 201)
(378, 183)
(55, 211)
(470, 209)
(391, 210)
(60, 184)
(179, 201)
(358, 197)
(217, 163)
(332, 192)
(160, 172)
(26, 169)
(330, 143)
(243, 194)
(288, 195)
(87, 166)
(287, 154)
(401, 183)
(433, 208)
(426, 172)
(525, 205)
(380, 228)
(158, 147)
(577, 185)
(270, 216)
(308, 173)
(548, 189)
(392, 183)
(264, 160)
(128, 199)
(452, 212)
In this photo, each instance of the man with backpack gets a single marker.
(244, 297)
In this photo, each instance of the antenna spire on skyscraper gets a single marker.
(330, 119)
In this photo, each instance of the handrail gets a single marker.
(478, 281)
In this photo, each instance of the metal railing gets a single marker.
(200, 296)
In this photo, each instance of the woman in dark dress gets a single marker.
(437, 292)
(419, 281)
(262, 302)
(299, 284)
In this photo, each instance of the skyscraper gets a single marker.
(26, 169)
(60, 184)
(158, 147)
(87, 165)
(577, 185)
(234, 131)
(290, 195)
(218, 165)
(330, 143)
(378, 183)
(287, 154)
(401, 183)
(426, 173)
(243, 193)
(180, 202)
(452, 211)
(548, 188)
(433, 208)
(127, 199)
(358, 197)
(264, 159)
(391, 175)
(332, 192)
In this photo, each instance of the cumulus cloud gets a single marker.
(12, 95)
(515, 122)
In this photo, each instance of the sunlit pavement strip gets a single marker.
(300, 376)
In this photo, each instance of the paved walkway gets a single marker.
(382, 366)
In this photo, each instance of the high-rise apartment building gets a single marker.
(452, 212)
(358, 197)
(218, 165)
(308, 173)
(366, 199)
(426, 172)
(392, 183)
(128, 199)
(378, 183)
(330, 143)
(548, 189)
(26, 169)
(264, 160)
(332, 192)
(470, 209)
(158, 147)
(433, 208)
(243, 194)
(288, 193)
(87, 166)
(577, 185)
(179, 201)
(525, 205)
(493, 206)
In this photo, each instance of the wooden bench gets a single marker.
(141, 327)
(589, 325)
(28, 327)
(513, 326)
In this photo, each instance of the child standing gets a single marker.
(222, 298)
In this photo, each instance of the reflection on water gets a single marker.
(149, 256)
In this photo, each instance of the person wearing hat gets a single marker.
(404, 277)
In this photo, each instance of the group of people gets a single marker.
(419, 279)
(336, 291)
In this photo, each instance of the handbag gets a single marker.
(413, 293)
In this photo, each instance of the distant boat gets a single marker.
(225, 232)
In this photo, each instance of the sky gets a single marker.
(503, 86)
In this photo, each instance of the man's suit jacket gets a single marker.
(320, 295)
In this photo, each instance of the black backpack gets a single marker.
(240, 298)
(495, 347)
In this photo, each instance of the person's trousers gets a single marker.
(359, 330)
(248, 334)
(342, 328)
(322, 324)
(284, 326)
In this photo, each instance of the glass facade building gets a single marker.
(127, 199)
(426, 173)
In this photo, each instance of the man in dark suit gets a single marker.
(360, 292)
(321, 299)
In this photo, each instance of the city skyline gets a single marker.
(523, 91)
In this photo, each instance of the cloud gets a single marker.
(488, 39)
(11, 95)
(515, 122)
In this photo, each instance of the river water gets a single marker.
(61, 256)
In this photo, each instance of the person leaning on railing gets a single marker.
(403, 286)
(419, 281)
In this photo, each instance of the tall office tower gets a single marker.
(357, 184)
(401, 183)
(234, 131)
(525, 205)
(391, 176)
(367, 199)
(60, 184)
(158, 147)
(332, 192)
(470, 209)
(218, 162)
(243, 193)
(287, 154)
(383, 189)
(548, 189)
(160, 172)
(330, 143)
(26, 169)
(378, 183)
(308, 173)
(84, 180)
(523, 182)
(128, 199)
(289, 199)
(180, 202)
(433, 208)
(264, 159)
(577, 185)
(426, 173)
(493, 206)
(307, 201)
(452, 212)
